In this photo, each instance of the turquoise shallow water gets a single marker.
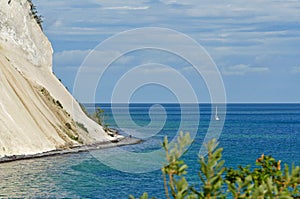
(249, 131)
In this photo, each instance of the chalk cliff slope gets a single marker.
(37, 113)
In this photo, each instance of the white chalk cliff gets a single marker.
(37, 113)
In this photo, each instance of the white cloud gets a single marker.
(119, 3)
(69, 58)
(253, 10)
(126, 8)
(295, 70)
(217, 24)
(191, 70)
(72, 59)
(57, 23)
(155, 70)
(243, 69)
(188, 69)
(259, 33)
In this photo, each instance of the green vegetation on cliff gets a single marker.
(34, 13)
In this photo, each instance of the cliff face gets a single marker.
(37, 113)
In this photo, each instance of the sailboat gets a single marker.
(216, 114)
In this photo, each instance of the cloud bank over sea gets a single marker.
(251, 41)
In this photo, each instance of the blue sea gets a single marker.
(249, 130)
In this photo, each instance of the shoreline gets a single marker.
(78, 149)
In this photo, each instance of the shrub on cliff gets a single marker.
(98, 116)
(34, 13)
(267, 180)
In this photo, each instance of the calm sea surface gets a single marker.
(249, 131)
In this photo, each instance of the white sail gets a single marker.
(216, 114)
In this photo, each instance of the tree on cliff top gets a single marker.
(34, 13)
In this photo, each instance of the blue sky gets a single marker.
(255, 44)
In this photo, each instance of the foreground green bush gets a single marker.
(267, 180)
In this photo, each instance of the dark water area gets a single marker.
(249, 130)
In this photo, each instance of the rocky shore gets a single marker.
(96, 146)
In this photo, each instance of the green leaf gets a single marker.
(144, 196)
(131, 197)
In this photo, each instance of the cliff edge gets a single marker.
(37, 113)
